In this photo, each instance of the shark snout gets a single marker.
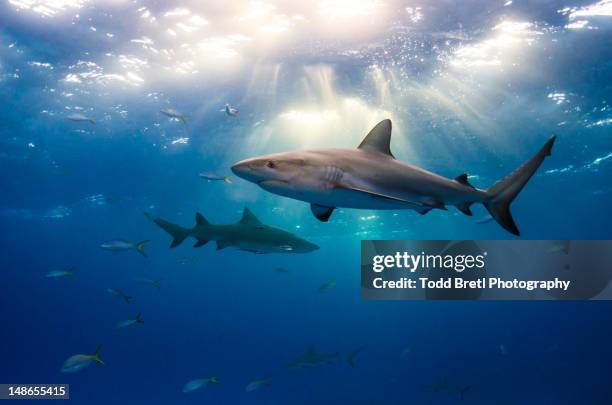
(244, 169)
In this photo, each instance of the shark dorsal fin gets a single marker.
(463, 179)
(379, 139)
(200, 220)
(249, 218)
(312, 350)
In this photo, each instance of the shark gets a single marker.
(312, 358)
(370, 177)
(248, 234)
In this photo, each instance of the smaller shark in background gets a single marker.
(248, 234)
(172, 113)
(312, 358)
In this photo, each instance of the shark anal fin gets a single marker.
(379, 139)
(321, 212)
(200, 243)
(463, 179)
(222, 244)
(436, 204)
(424, 210)
(465, 208)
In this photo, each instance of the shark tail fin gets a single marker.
(178, 233)
(139, 318)
(96, 355)
(140, 247)
(502, 193)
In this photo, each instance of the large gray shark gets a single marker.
(369, 177)
(312, 358)
(248, 234)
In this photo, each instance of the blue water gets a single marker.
(471, 86)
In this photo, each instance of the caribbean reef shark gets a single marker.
(248, 234)
(312, 358)
(369, 177)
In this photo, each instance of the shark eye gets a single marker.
(270, 164)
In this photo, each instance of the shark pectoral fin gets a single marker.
(321, 212)
(465, 208)
(200, 243)
(375, 194)
(222, 244)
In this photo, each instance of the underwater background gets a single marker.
(471, 86)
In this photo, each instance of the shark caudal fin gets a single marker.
(178, 233)
(502, 193)
(140, 247)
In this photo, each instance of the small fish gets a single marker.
(150, 281)
(281, 270)
(326, 286)
(129, 322)
(503, 349)
(79, 361)
(560, 246)
(120, 294)
(62, 273)
(444, 386)
(215, 177)
(254, 385)
(118, 245)
(199, 383)
(230, 111)
(172, 113)
(78, 117)
(407, 350)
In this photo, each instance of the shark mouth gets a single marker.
(271, 183)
